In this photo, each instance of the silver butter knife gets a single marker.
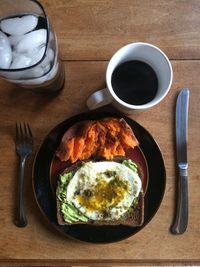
(181, 216)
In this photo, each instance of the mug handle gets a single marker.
(99, 98)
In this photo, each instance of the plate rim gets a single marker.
(101, 115)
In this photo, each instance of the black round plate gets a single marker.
(90, 233)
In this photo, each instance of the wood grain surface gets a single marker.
(91, 29)
(88, 33)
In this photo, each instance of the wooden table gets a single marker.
(89, 32)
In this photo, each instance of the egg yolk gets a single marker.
(105, 195)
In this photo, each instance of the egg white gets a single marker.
(85, 178)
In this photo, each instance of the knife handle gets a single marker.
(181, 218)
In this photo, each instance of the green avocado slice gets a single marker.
(69, 212)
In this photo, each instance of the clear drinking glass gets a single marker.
(28, 47)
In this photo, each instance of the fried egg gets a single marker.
(103, 190)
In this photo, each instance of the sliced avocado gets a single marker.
(130, 164)
(69, 212)
(66, 214)
(74, 212)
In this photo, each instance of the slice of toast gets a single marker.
(133, 217)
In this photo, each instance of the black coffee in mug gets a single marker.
(135, 82)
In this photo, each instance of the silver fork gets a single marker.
(24, 147)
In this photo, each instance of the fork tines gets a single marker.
(23, 131)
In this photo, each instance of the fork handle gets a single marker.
(21, 220)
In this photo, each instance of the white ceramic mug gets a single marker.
(146, 53)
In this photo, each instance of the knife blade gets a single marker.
(181, 215)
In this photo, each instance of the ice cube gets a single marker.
(46, 68)
(5, 51)
(14, 39)
(19, 25)
(29, 74)
(13, 75)
(25, 60)
(34, 73)
(21, 61)
(50, 75)
(31, 41)
(49, 57)
(36, 57)
(25, 76)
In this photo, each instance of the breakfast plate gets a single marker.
(47, 168)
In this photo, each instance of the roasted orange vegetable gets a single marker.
(105, 138)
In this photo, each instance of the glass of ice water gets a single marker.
(28, 47)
